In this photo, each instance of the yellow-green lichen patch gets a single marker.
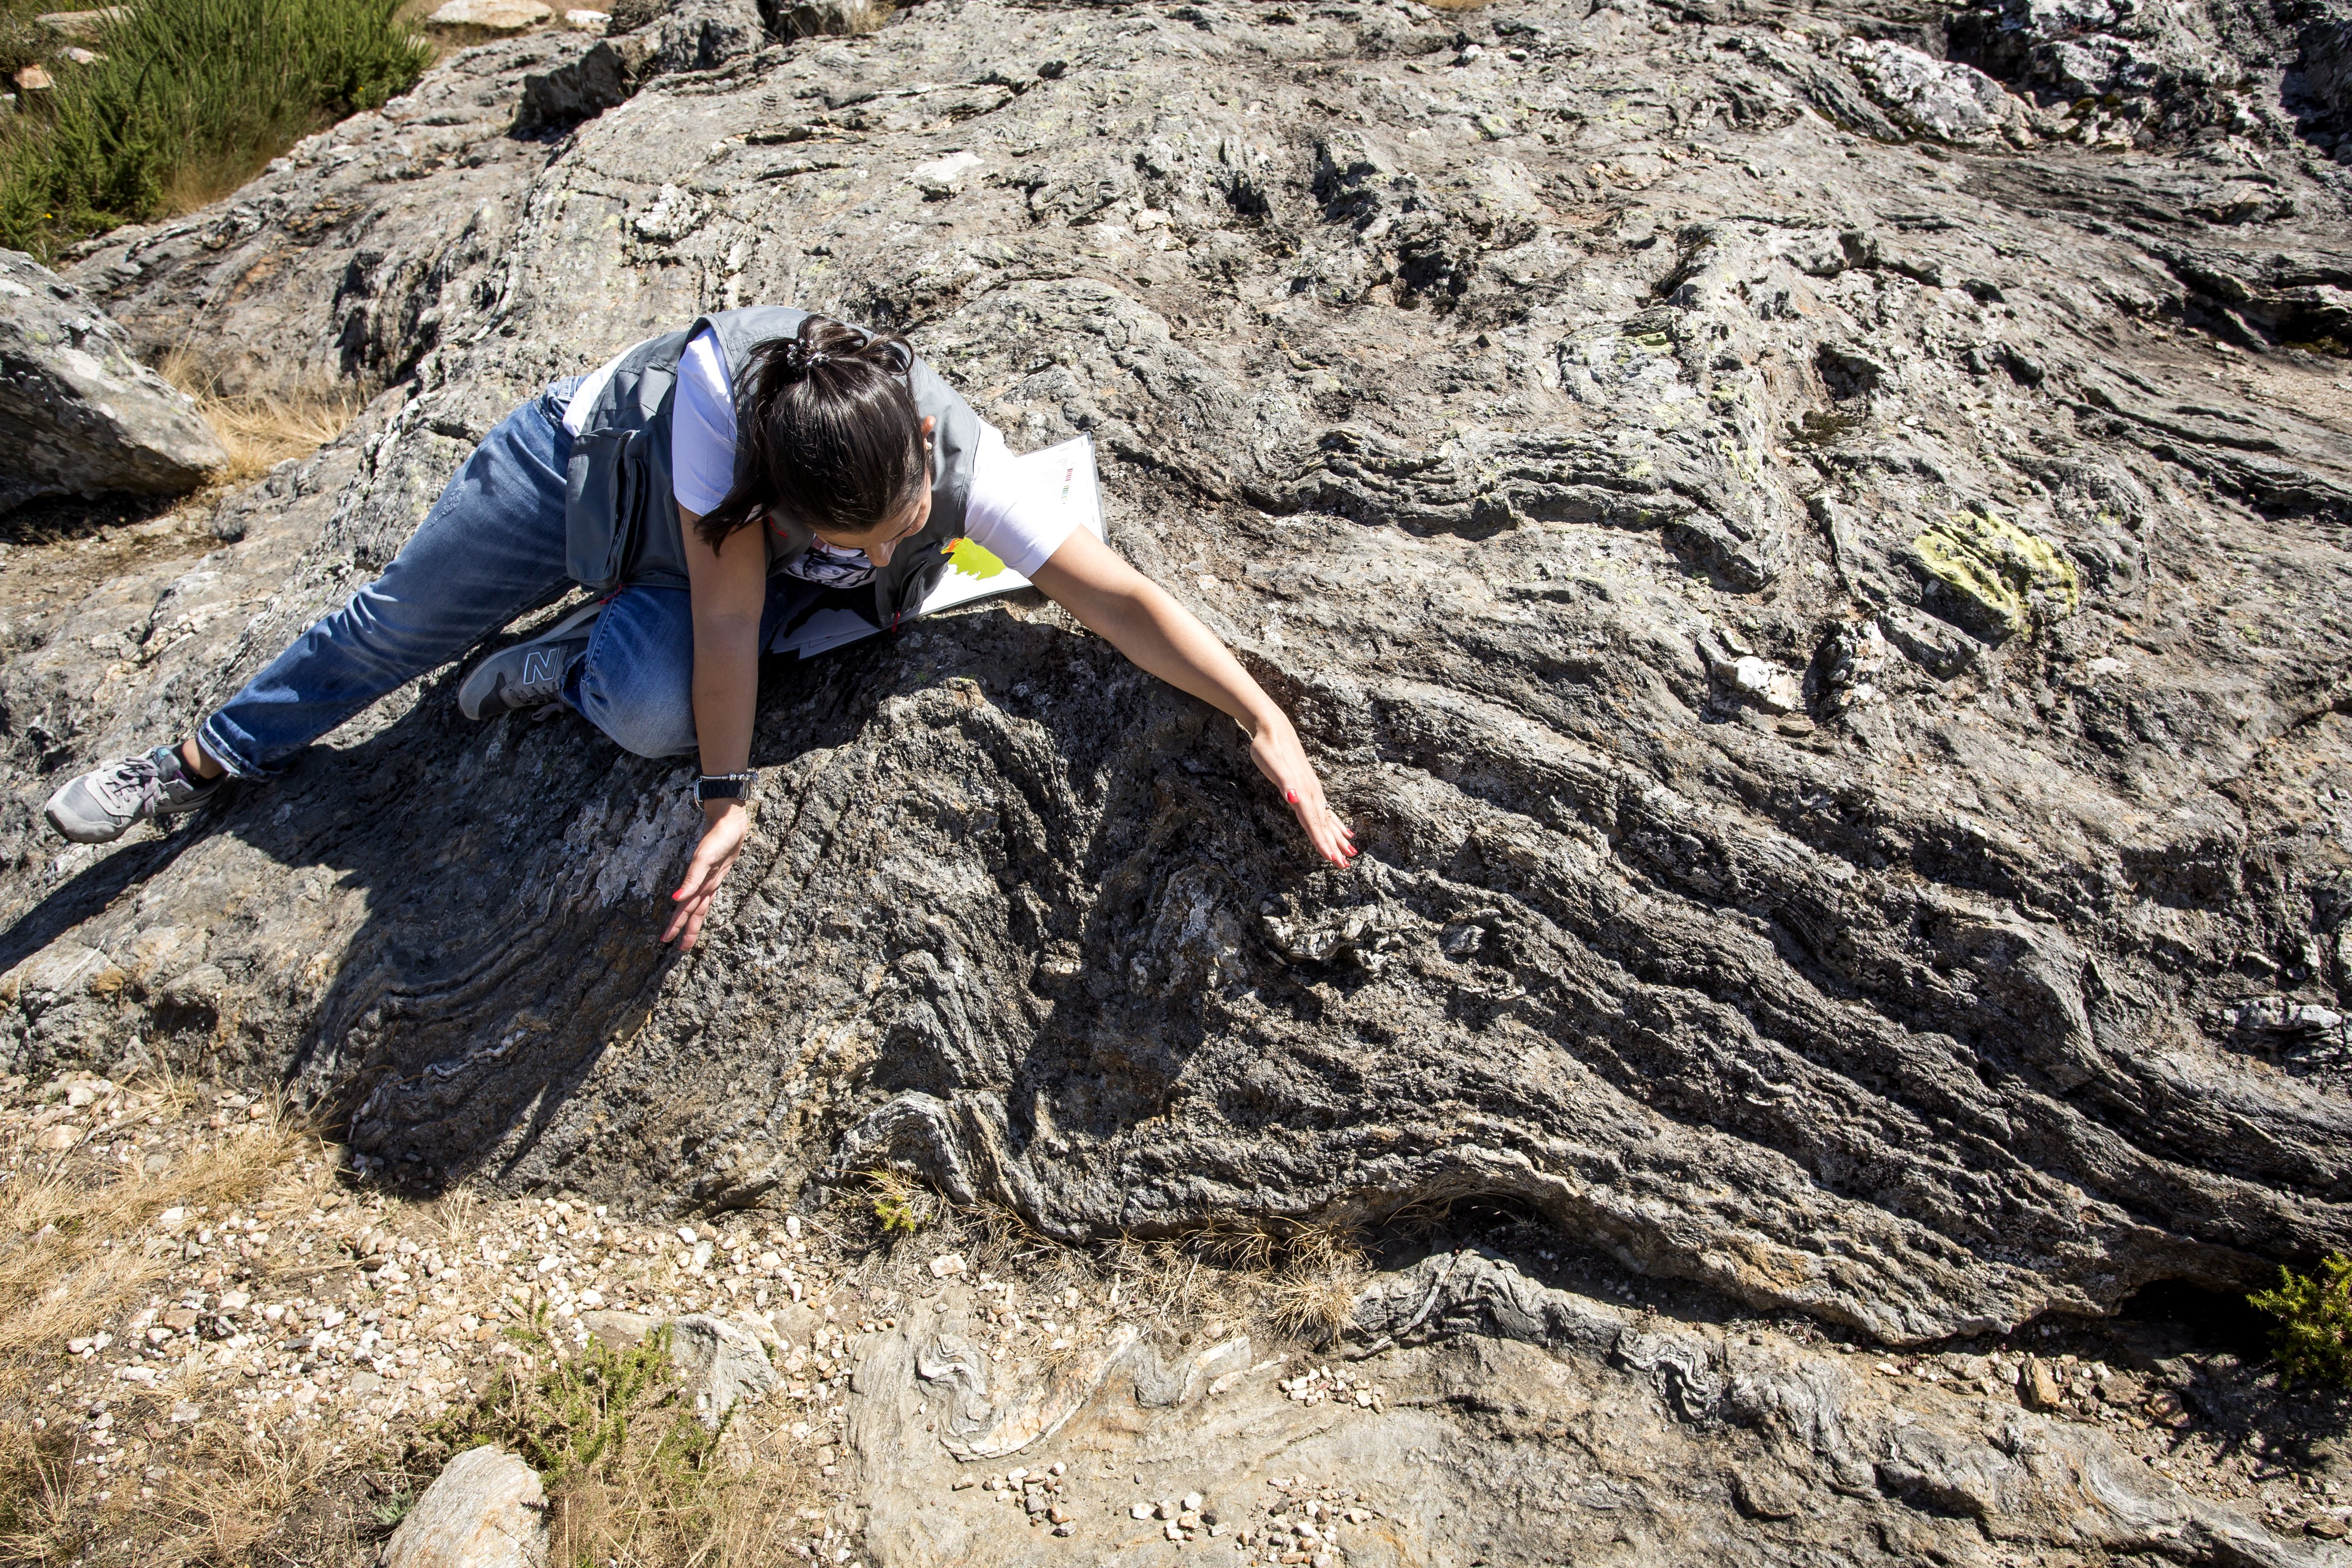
(2012, 577)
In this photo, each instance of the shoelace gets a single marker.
(133, 786)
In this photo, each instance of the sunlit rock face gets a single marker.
(1816, 571)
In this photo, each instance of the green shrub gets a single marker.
(582, 1416)
(2314, 1339)
(191, 99)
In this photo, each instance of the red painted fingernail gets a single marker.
(1291, 795)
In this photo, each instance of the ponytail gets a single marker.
(826, 434)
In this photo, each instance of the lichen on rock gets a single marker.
(2006, 577)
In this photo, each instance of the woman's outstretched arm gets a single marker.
(728, 587)
(1135, 615)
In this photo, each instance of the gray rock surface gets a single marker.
(1492, 1416)
(723, 1364)
(1835, 649)
(486, 1510)
(78, 414)
(2138, 71)
(1943, 98)
(349, 257)
(720, 1362)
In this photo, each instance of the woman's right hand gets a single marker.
(725, 823)
(1279, 756)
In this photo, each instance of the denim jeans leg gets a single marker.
(491, 548)
(635, 681)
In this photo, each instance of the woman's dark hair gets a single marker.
(825, 433)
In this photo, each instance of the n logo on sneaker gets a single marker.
(539, 666)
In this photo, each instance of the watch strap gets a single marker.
(722, 786)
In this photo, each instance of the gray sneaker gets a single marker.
(98, 806)
(529, 674)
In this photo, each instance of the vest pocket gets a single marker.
(604, 506)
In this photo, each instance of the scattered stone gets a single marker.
(827, 19)
(602, 79)
(486, 1510)
(1767, 685)
(588, 21)
(943, 177)
(2291, 1021)
(947, 1263)
(1762, 1496)
(32, 79)
(2038, 1387)
(491, 15)
(85, 25)
(722, 1362)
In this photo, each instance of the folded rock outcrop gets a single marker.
(80, 415)
(1835, 647)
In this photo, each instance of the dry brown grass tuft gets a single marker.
(260, 431)
(38, 1520)
(736, 1513)
(453, 1213)
(78, 1243)
(234, 1487)
(81, 1243)
(1302, 1278)
(1313, 1289)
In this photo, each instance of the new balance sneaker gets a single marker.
(98, 806)
(529, 674)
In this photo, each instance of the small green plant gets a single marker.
(632, 1474)
(2314, 1339)
(576, 1418)
(898, 1206)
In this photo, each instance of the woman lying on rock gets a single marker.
(795, 455)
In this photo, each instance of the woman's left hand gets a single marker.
(722, 841)
(1280, 757)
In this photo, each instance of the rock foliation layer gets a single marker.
(78, 414)
(1819, 584)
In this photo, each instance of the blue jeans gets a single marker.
(490, 549)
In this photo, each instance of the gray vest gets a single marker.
(621, 518)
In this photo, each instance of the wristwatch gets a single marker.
(722, 786)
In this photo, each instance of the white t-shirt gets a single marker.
(1020, 531)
